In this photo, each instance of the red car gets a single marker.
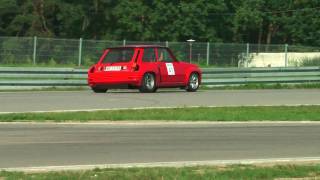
(145, 67)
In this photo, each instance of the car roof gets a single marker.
(139, 46)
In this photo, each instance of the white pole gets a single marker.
(190, 50)
(80, 52)
(34, 49)
(190, 53)
(286, 55)
(208, 53)
(247, 55)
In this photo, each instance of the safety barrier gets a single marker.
(216, 76)
(48, 77)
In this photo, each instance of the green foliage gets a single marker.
(254, 21)
(28, 60)
(52, 62)
(268, 113)
(8, 59)
(310, 61)
(264, 86)
(87, 61)
(309, 171)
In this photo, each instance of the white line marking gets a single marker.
(169, 164)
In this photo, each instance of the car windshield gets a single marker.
(119, 55)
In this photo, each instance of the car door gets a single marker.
(170, 71)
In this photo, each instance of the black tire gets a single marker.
(193, 83)
(99, 90)
(148, 84)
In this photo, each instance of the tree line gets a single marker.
(232, 21)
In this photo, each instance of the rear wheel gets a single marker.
(99, 90)
(148, 83)
(193, 83)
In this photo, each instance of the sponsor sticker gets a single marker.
(170, 69)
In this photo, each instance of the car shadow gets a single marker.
(125, 91)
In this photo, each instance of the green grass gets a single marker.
(199, 172)
(203, 87)
(264, 86)
(276, 113)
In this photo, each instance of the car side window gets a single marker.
(149, 55)
(164, 55)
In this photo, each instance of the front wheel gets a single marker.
(148, 83)
(193, 83)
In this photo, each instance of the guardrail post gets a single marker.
(167, 44)
(208, 53)
(124, 42)
(80, 52)
(286, 55)
(34, 49)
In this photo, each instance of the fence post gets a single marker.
(34, 49)
(247, 54)
(208, 53)
(124, 42)
(286, 55)
(80, 52)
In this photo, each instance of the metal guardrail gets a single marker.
(42, 77)
(218, 76)
(211, 76)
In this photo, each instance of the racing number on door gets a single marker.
(170, 69)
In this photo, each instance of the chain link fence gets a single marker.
(33, 51)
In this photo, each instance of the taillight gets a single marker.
(92, 69)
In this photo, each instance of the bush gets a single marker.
(8, 59)
(315, 61)
(52, 62)
(88, 61)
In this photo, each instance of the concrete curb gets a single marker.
(271, 161)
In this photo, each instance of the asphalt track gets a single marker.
(37, 144)
(86, 100)
(88, 145)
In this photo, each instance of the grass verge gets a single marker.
(264, 86)
(259, 113)
(203, 87)
(199, 172)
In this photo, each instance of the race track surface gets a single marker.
(86, 100)
(37, 144)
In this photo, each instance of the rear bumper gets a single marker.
(114, 82)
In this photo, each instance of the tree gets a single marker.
(238, 21)
(248, 20)
(132, 18)
(8, 12)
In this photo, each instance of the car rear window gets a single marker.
(149, 55)
(119, 55)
